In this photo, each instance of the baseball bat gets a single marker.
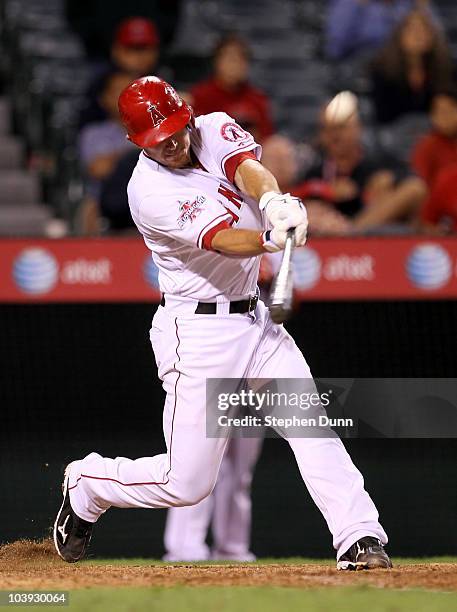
(283, 284)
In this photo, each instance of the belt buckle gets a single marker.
(253, 299)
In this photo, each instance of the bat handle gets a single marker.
(282, 289)
(284, 271)
(290, 242)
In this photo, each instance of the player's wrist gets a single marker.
(267, 197)
(267, 242)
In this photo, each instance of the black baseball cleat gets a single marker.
(71, 533)
(366, 553)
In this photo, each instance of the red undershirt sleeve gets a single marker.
(232, 163)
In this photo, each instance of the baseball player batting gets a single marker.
(207, 210)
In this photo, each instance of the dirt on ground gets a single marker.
(28, 564)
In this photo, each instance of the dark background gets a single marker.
(82, 378)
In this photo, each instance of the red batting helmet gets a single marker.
(152, 111)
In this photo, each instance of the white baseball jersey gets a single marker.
(178, 212)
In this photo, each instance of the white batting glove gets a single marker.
(275, 240)
(301, 231)
(288, 218)
(276, 205)
(284, 212)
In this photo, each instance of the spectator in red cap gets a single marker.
(134, 51)
(95, 21)
(229, 90)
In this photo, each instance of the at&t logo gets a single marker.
(151, 272)
(429, 266)
(307, 268)
(35, 271)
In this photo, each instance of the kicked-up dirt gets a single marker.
(31, 565)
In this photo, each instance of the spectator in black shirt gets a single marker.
(351, 189)
(114, 205)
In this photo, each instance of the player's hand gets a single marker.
(275, 239)
(284, 212)
(301, 234)
(278, 206)
(290, 218)
(279, 235)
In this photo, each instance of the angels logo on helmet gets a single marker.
(156, 115)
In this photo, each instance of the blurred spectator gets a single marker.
(438, 149)
(286, 160)
(439, 212)
(351, 189)
(279, 155)
(435, 160)
(135, 48)
(135, 51)
(114, 205)
(101, 144)
(413, 65)
(95, 21)
(229, 90)
(356, 27)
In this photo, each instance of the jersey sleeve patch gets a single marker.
(182, 217)
(189, 210)
(232, 132)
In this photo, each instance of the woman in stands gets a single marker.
(410, 68)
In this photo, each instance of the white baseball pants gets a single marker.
(188, 349)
